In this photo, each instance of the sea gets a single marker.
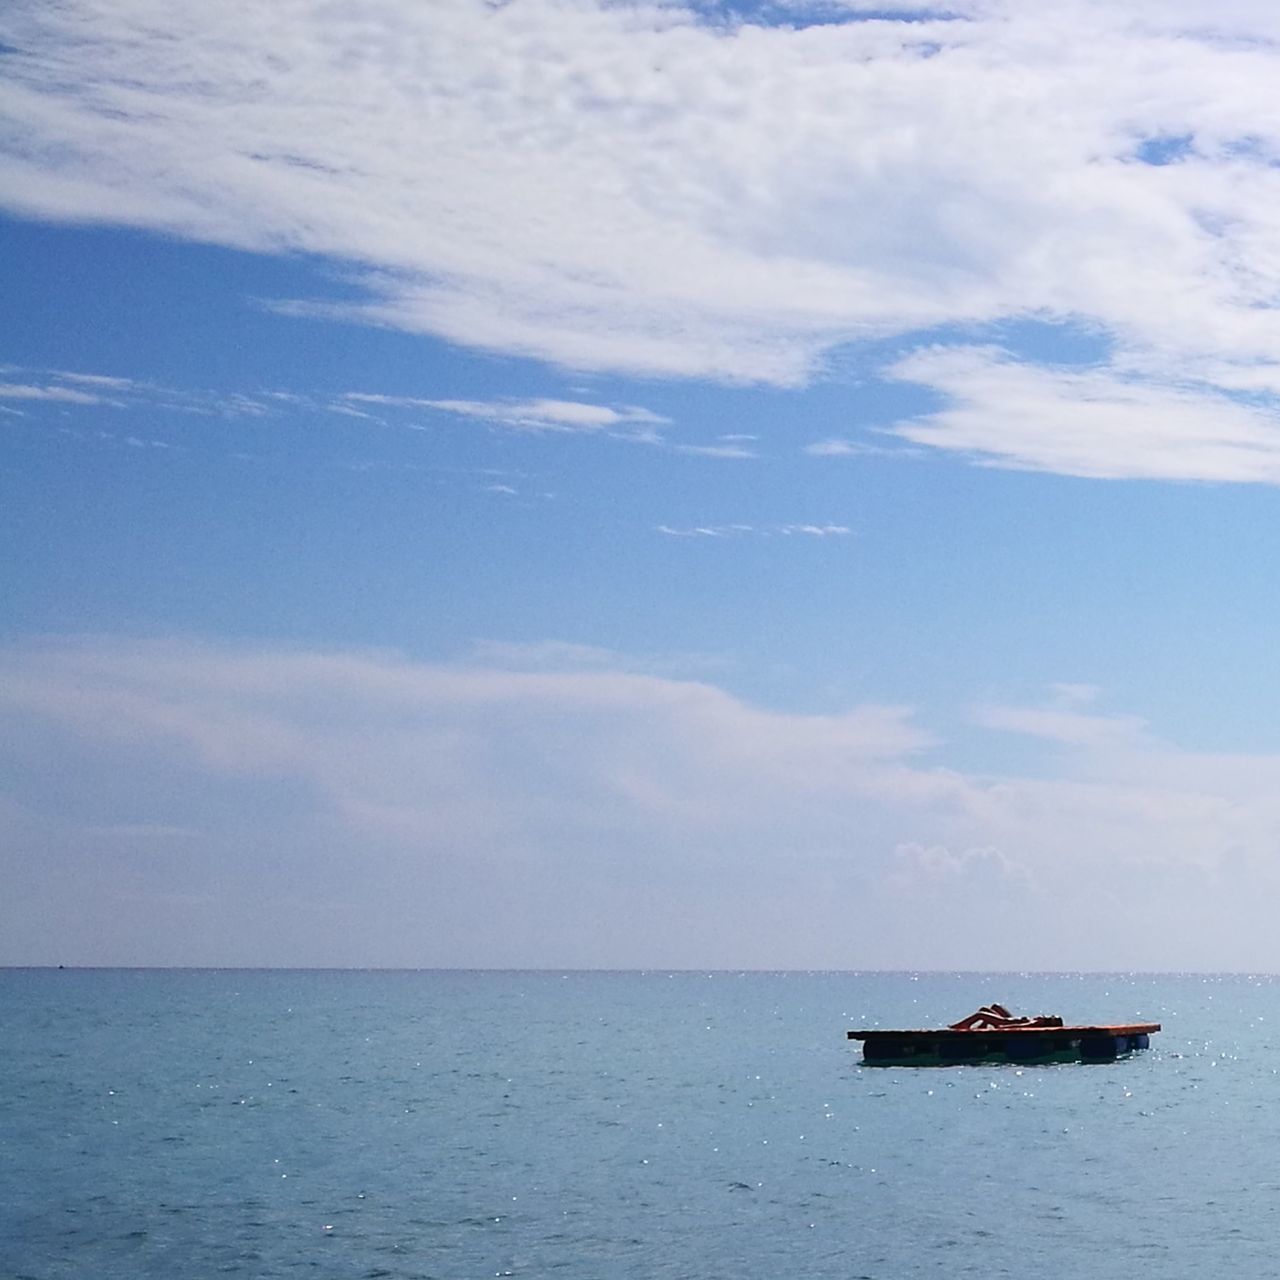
(594, 1126)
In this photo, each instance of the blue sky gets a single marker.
(626, 485)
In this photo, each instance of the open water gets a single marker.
(596, 1126)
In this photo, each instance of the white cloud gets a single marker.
(628, 422)
(726, 450)
(97, 380)
(346, 411)
(856, 449)
(239, 405)
(392, 402)
(1088, 422)
(48, 386)
(816, 530)
(538, 415)
(764, 531)
(689, 197)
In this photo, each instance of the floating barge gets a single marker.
(994, 1035)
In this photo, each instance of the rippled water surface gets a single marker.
(194, 1123)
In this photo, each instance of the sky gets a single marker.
(564, 483)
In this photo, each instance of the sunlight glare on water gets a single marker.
(624, 1124)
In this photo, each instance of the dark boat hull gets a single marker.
(944, 1048)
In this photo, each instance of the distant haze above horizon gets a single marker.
(566, 484)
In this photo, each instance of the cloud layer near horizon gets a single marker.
(176, 802)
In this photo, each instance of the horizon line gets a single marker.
(645, 969)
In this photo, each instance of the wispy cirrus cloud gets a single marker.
(106, 381)
(724, 449)
(814, 530)
(89, 390)
(628, 422)
(544, 414)
(387, 401)
(762, 531)
(839, 448)
(536, 415)
(540, 415)
(61, 395)
(706, 530)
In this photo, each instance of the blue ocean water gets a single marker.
(599, 1125)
